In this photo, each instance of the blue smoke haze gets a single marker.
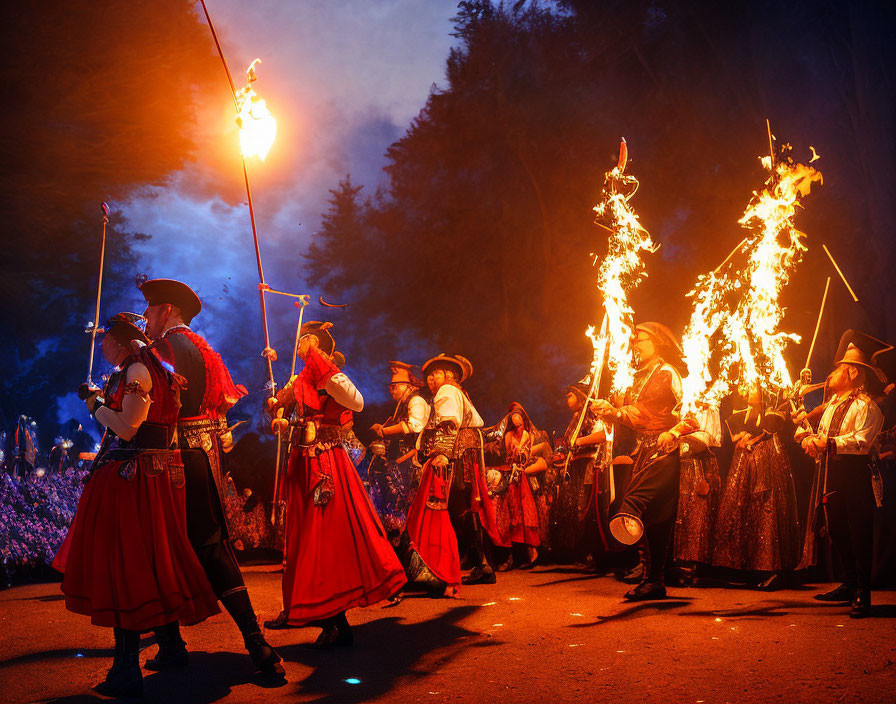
(344, 80)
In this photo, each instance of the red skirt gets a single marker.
(430, 531)
(337, 555)
(126, 560)
(517, 513)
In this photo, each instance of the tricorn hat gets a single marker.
(862, 350)
(176, 293)
(123, 328)
(322, 332)
(462, 366)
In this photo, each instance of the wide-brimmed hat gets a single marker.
(320, 330)
(462, 365)
(175, 293)
(667, 345)
(403, 373)
(123, 328)
(862, 350)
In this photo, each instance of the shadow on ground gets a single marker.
(377, 659)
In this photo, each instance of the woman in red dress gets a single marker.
(126, 560)
(337, 554)
(521, 506)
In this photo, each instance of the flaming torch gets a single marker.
(258, 128)
(736, 310)
(621, 270)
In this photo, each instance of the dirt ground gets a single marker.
(550, 635)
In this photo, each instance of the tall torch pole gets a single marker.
(262, 286)
(99, 291)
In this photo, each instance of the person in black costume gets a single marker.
(843, 487)
(209, 392)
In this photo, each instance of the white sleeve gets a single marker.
(418, 414)
(134, 406)
(448, 405)
(340, 387)
(867, 420)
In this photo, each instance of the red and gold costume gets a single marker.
(127, 560)
(337, 553)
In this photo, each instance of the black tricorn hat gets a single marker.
(862, 350)
(175, 293)
(461, 365)
(322, 332)
(123, 328)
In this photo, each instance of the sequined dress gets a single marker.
(758, 528)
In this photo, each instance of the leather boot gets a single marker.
(172, 649)
(264, 657)
(634, 575)
(280, 623)
(483, 574)
(840, 595)
(861, 604)
(645, 591)
(124, 679)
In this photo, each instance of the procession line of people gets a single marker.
(149, 547)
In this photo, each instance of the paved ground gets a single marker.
(553, 635)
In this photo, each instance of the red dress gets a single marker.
(126, 560)
(337, 553)
(429, 526)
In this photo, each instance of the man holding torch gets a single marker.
(651, 409)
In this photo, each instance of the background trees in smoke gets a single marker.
(480, 240)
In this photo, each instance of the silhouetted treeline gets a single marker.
(480, 242)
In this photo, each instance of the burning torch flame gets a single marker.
(621, 270)
(737, 316)
(258, 128)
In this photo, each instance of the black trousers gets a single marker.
(207, 527)
(652, 496)
(850, 510)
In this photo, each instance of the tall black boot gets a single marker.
(263, 655)
(172, 649)
(336, 633)
(124, 679)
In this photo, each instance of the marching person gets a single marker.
(649, 505)
(576, 503)
(698, 500)
(846, 434)
(758, 527)
(337, 553)
(452, 494)
(519, 454)
(127, 560)
(391, 470)
(210, 392)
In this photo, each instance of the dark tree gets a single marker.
(489, 192)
